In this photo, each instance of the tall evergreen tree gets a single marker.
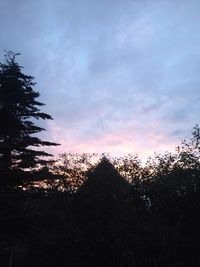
(19, 99)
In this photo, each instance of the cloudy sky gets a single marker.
(118, 76)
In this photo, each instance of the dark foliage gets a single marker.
(108, 221)
(19, 108)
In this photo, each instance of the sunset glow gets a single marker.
(117, 76)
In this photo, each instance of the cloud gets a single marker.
(117, 76)
(118, 143)
(137, 34)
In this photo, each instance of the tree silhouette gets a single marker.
(19, 102)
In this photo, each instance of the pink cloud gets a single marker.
(118, 142)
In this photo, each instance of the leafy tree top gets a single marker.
(18, 95)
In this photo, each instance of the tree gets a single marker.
(19, 99)
(73, 170)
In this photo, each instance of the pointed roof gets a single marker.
(105, 182)
(105, 166)
(105, 206)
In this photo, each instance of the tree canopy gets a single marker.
(19, 100)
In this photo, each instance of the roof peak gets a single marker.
(105, 164)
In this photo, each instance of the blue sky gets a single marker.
(118, 76)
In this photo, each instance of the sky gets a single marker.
(118, 76)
